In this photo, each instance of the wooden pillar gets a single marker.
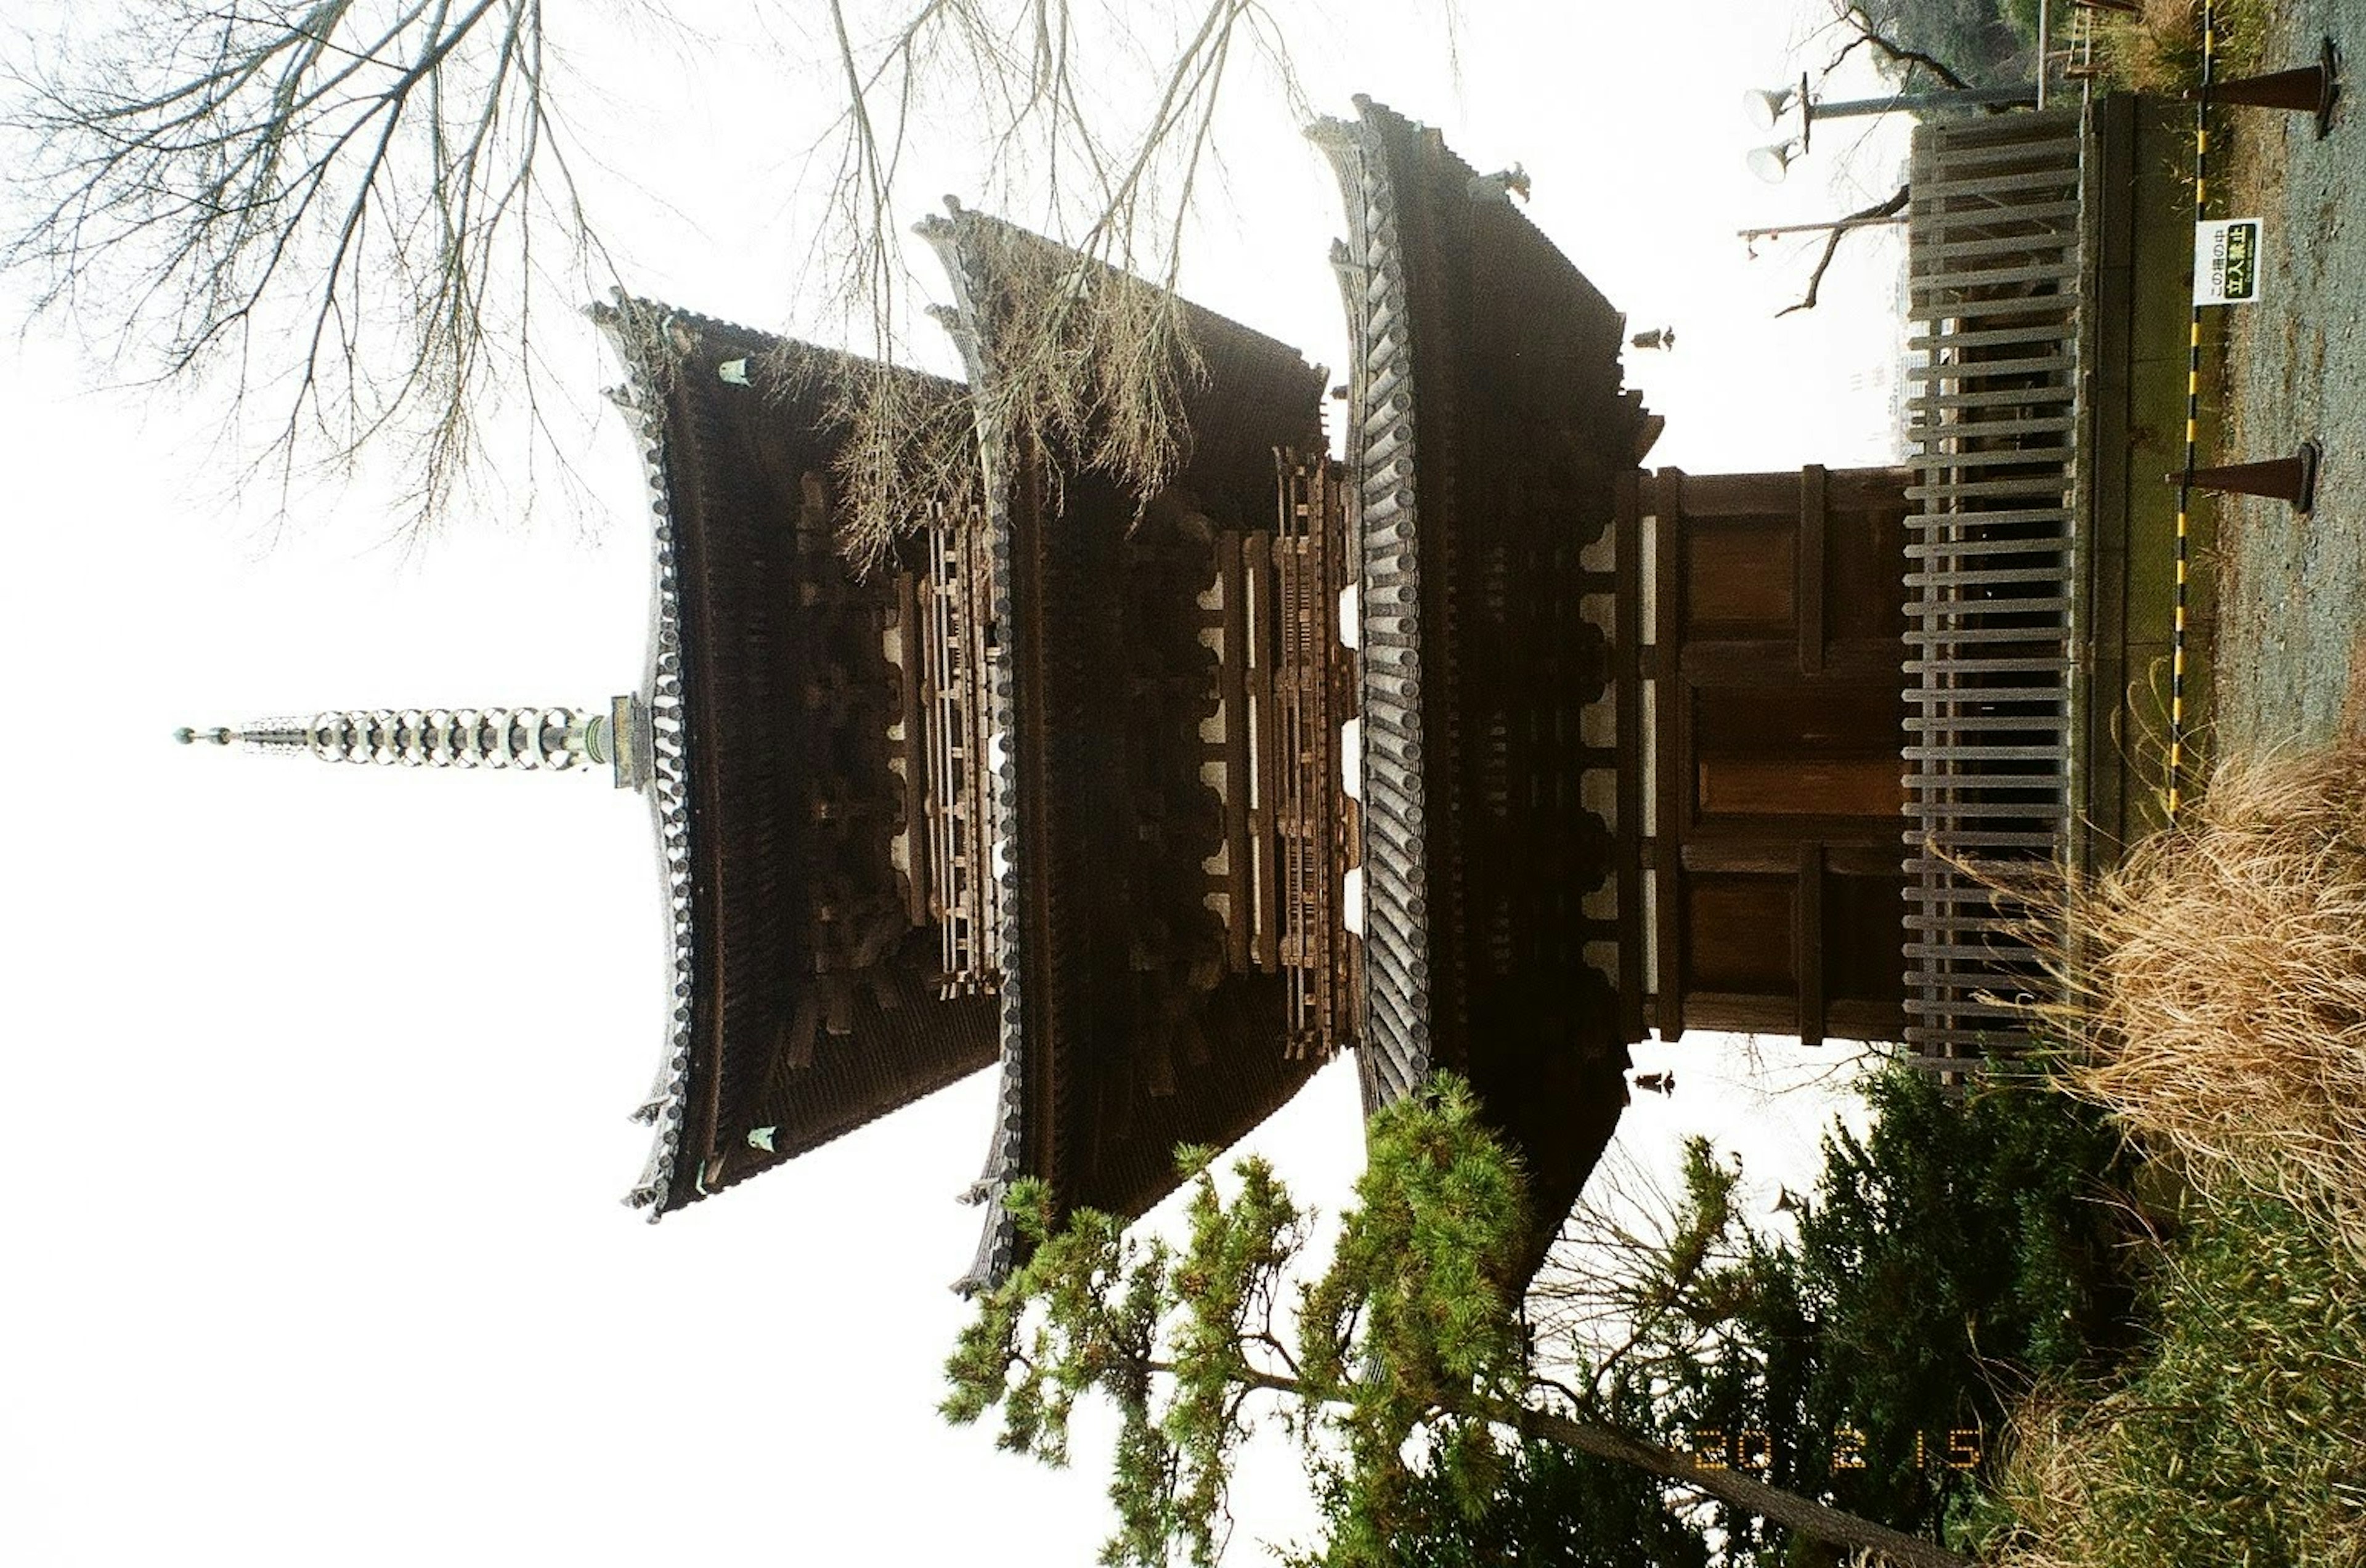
(1667, 753)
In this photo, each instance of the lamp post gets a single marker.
(1949, 98)
(1766, 107)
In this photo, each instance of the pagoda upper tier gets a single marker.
(820, 798)
(1175, 967)
(1489, 444)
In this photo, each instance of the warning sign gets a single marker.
(2226, 261)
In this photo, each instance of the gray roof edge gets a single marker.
(1381, 459)
(636, 329)
(968, 326)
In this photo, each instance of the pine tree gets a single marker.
(1401, 1366)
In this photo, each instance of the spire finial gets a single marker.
(537, 739)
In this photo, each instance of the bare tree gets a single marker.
(1874, 212)
(359, 211)
(1639, 1267)
(1860, 30)
(1095, 356)
(351, 207)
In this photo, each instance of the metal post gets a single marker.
(2045, 45)
(1775, 231)
(1955, 97)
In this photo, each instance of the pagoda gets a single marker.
(1480, 748)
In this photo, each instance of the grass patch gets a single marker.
(2159, 48)
(2225, 998)
(2238, 1438)
(2224, 1009)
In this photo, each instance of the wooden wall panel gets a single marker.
(1863, 917)
(1782, 787)
(1739, 580)
(1801, 787)
(1739, 932)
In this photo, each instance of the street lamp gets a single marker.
(1771, 164)
(1766, 107)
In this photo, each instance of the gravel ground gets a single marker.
(2291, 632)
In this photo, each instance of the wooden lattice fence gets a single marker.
(1995, 562)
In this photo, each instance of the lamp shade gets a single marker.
(1765, 105)
(1771, 164)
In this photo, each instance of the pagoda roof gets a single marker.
(1116, 1048)
(760, 1066)
(1489, 440)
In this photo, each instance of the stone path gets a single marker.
(2291, 588)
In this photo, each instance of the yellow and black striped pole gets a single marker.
(2193, 422)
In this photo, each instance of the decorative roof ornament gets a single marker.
(535, 740)
(1500, 187)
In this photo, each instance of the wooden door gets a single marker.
(1777, 660)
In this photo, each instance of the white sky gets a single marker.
(316, 1081)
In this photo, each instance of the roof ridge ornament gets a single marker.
(535, 740)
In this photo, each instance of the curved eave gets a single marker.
(963, 320)
(1485, 408)
(1395, 1051)
(636, 328)
(733, 905)
(1054, 1079)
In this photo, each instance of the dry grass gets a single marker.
(2222, 1005)
(2159, 49)
(2226, 997)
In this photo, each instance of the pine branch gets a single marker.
(1727, 1485)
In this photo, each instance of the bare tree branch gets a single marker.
(1856, 17)
(1095, 361)
(351, 211)
(324, 199)
(1842, 230)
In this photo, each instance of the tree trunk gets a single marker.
(1837, 1525)
(1772, 1503)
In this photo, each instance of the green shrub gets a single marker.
(2238, 1436)
(1966, 1247)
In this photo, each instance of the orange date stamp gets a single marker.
(1751, 1450)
